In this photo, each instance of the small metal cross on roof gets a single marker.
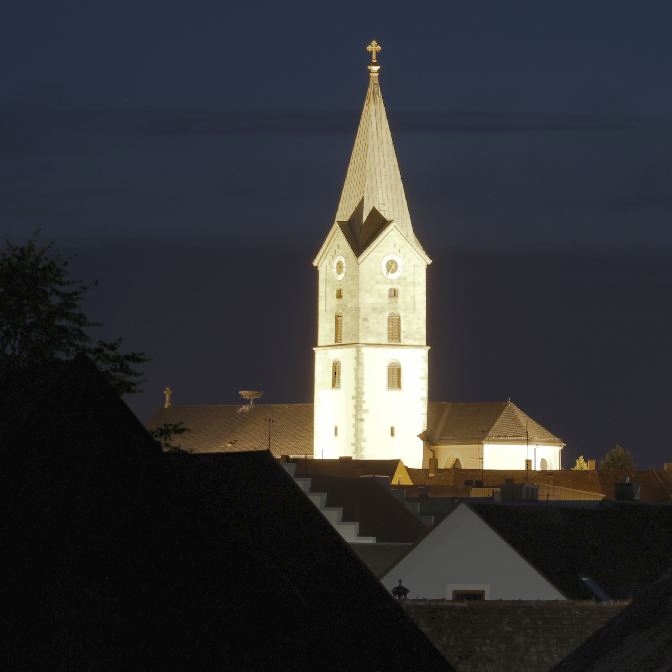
(373, 49)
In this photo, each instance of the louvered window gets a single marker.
(336, 374)
(393, 328)
(338, 328)
(394, 376)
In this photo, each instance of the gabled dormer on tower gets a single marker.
(371, 354)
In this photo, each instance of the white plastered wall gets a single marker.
(513, 455)
(463, 551)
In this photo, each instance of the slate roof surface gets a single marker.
(351, 468)
(373, 179)
(119, 556)
(460, 422)
(222, 428)
(639, 638)
(380, 557)
(622, 547)
(330, 607)
(373, 505)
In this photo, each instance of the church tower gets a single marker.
(371, 354)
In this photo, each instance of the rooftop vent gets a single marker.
(627, 491)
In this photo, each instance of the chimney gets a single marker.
(592, 465)
(626, 491)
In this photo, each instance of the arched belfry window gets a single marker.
(336, 374)
(338, 328)
(393, 328)
(394, 376)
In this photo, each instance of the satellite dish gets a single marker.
(249, 396)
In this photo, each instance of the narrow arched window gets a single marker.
(338, 328)
(393, 328)
(336, 374)
(394, 376)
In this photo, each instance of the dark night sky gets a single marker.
(192, 155)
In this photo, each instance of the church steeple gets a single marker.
(373, 179)
(371, 361)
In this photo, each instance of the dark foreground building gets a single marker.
(118, 556)
(639, 638)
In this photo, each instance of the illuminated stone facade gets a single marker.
(371, 355)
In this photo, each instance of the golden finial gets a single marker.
(373, 49)
(167, 394)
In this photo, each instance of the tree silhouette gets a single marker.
(617, 458)
(41, 317)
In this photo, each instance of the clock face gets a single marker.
(391, 266)
(339, 267)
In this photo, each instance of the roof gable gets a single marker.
(485, 558)
(483, 421)
(620, 548)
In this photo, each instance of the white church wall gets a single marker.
(513, 455)
(463, 551)
(470, 456)
(334, 410)
(392, 419)
(328, 303)
(374, 289)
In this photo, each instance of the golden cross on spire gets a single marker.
(373, 49)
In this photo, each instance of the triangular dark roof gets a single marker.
(118, 556)
(621, 548)
(639, 638)
(458, 422)
(360, 232)
(338, 609)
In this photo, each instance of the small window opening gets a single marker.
(338, 328)
(468, 595)
(336, 374)
(393, 328)
(339, 293)
(394, 376)
(392, 430)
(335, 430)
(392, 293)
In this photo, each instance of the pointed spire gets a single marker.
(373, 179)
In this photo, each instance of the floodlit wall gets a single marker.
(513, 455)
(365, 418)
